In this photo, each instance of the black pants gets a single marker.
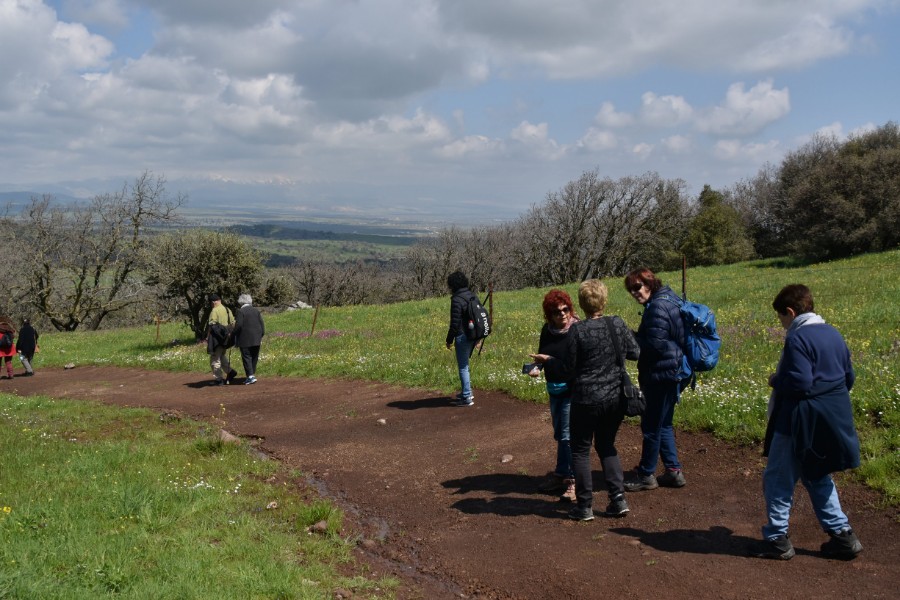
(597, 425)
(249, 357)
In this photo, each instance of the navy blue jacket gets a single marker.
(661, 337)
(812, 400)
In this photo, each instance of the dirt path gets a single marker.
(451, 518)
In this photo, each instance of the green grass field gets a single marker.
(404, 344)
(101, 502)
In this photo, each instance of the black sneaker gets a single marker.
(220, 382)
(617, 507)
(231, 375)
(779, 548)
(581, 513)
(460, 401)
(843, 545)
(641, 483)
(671, 478)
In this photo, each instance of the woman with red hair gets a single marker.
(558, 317)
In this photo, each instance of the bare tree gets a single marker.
(338, 285)
(80, 261)
(597, 227)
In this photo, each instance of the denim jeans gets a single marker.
(463, 350)
(600, 426)
(779, 479)
(560, 407)
(656, 425)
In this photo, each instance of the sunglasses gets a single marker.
(636, 288)
(561, 311)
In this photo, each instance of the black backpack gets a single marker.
(6, 341)
(478, 320)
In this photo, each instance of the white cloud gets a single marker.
(664, 111)
(677, 144)
(753, 153)
(38, 50)
(351, 92)
(469, 146)
(642, 150)
(813, 38)
(597, 140)
(746, 112)
(607, 116)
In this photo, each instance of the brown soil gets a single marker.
(446, 499)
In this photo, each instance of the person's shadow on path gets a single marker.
(717, 540)
(442, 402)
(508, 489)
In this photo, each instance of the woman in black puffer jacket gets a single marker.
(661, 371)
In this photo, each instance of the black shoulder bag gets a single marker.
(630, 396)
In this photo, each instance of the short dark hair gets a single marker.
(214, 297)
(457, 280)
(795, 296)
(645, 276)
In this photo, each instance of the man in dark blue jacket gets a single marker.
(811, 433)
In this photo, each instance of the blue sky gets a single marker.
(450, 110)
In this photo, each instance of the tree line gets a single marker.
(125, 257)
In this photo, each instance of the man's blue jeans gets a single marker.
(560, 409)
(779, 480)
(463, 350)
(656, 425)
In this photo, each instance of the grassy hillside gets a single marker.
(404, 344)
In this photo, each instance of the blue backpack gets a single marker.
(701, 338)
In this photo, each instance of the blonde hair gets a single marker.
(592, 295)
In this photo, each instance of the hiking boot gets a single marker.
(843, 545)
(779, 548)
(671, 478)
(617, 507)
(231, 375)
(580, 513)
(553, 483)
(220, 382)
(641, 483)
(569, 494)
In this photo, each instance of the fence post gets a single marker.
(315, 316)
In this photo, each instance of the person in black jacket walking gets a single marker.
(26, 346)
(660, 374)
(249, 330)
(456, 334)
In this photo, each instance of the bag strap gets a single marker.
(615, 337)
